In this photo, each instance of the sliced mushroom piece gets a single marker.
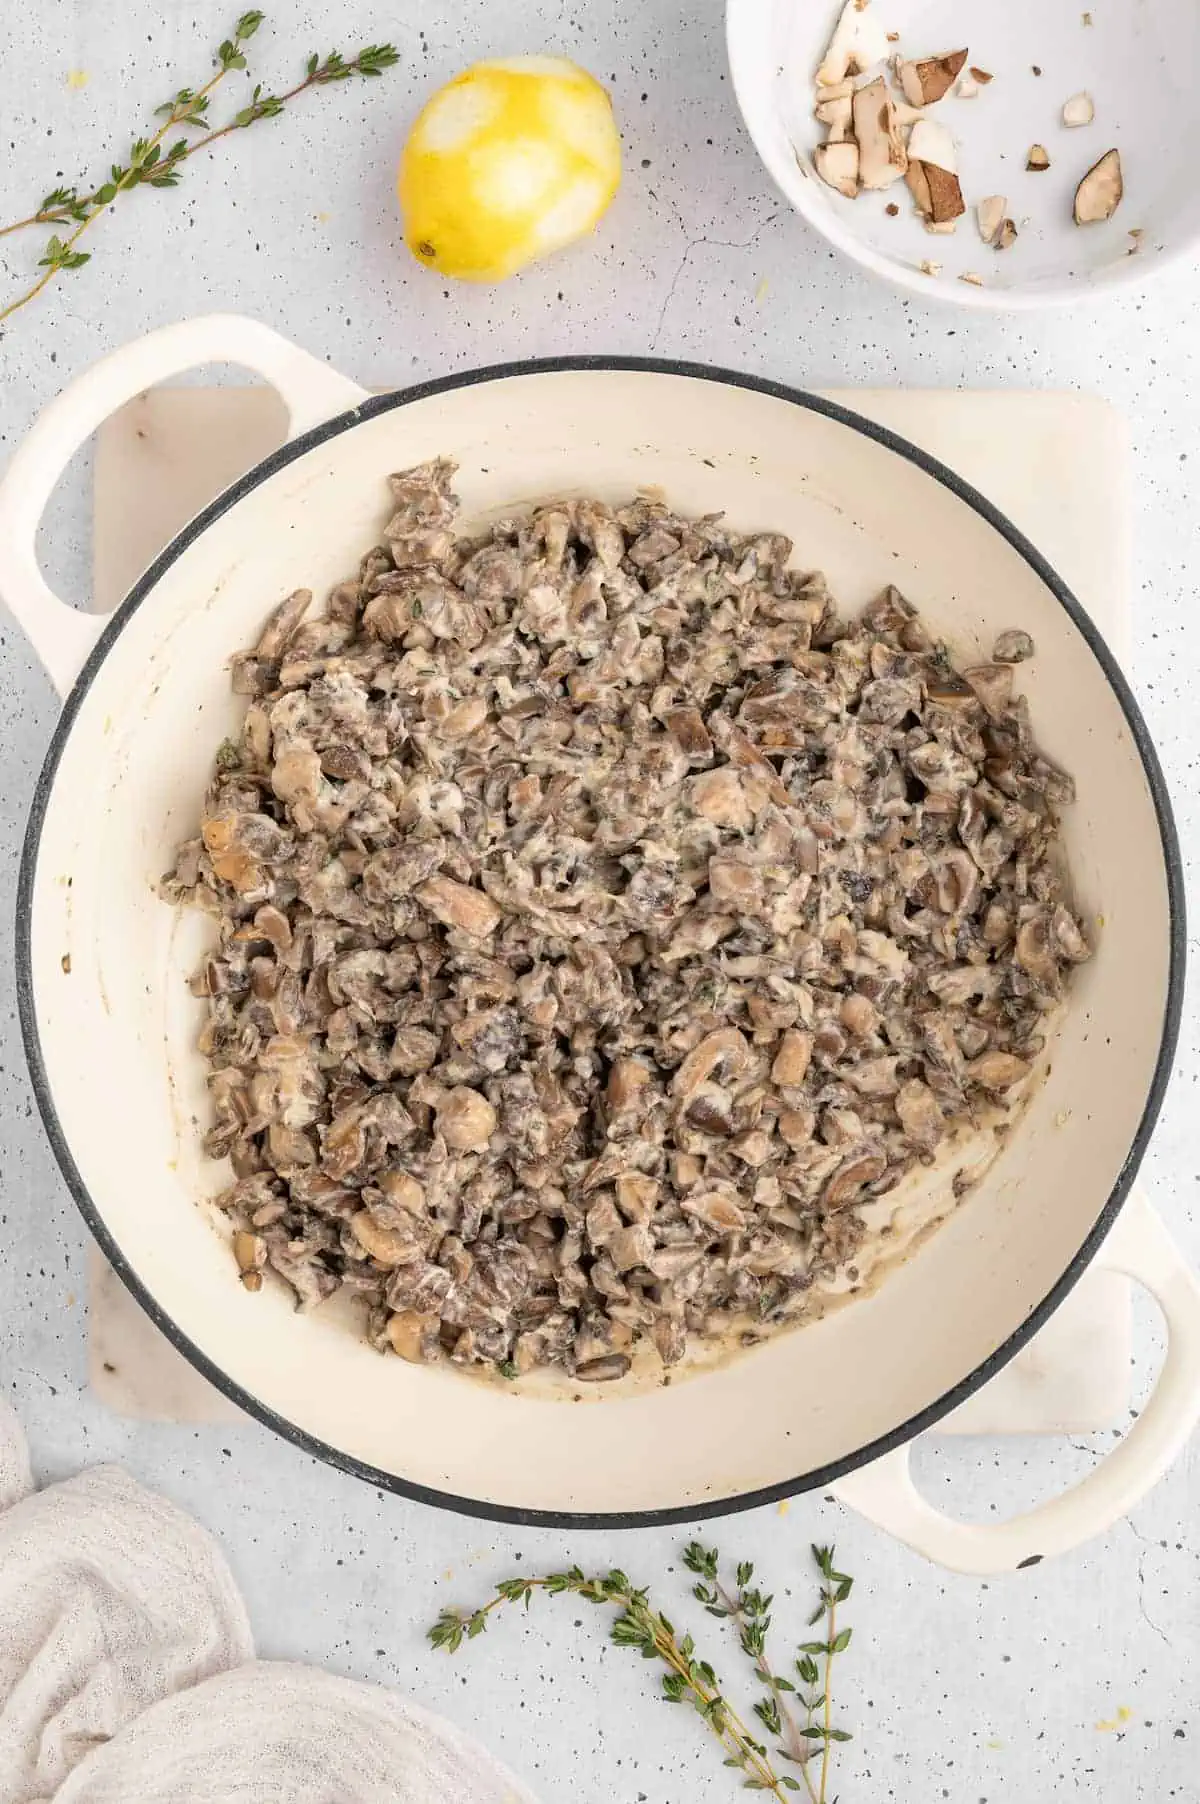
(865, 1165)
(630, 1247)
(714, 1210)
(1038, 159)
(998, 1070)
(413, 1335)
(882, 158)
(1012, 647)
(627, 1082)
(990, 215)
(797, 1126)
(993, 684)
(1035, 955)
(250, 1252)
(725, 1051)
(859, 1016)
(710, 1112)
(1007, 235)
(282, 624)
(1080, 109)
(920, 1114)
(790, 1066)
(385, 1245)
(874, 1077)
(603, 1371)
(1100, 192)
(753, 1147)
(686, 727)
(837, 166)
(458, 905)
(718, 796)
(934, 186)
(931, 78)
(465, 1119)
(669, 1338)
(836, 115)
(637, 1196)
(859, 41)
(1068, 938)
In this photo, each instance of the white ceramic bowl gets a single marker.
(110, 1027)
(1137, 60)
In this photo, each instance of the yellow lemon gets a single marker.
(506, 163)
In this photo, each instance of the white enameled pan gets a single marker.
(109, 1025)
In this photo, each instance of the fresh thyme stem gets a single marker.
(642, 1627)
(832, 1620)
(687, 1679)
(187, 108)
(792, 1740)
(835, 1589)
(749, 1611)
(147, 162)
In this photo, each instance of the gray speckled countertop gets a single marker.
(1080, 1678)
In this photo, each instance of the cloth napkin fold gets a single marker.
(127, 1672)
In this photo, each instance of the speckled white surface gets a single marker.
(958, 1690)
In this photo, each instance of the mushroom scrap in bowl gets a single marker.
(604, 926)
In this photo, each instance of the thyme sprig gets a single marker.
(154, 163)
(690, 1680)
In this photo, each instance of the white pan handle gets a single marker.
(62, 636)
(1140, 1246)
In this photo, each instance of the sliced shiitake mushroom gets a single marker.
(837, 166)
(882, 158)
(926, 81)
(1100, 192)
(932, 173)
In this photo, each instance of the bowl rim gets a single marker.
(972, 1381)
(1131, 273)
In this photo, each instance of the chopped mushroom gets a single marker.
(1012, 647)
(1099, 193)
(1079, 110)
(837, 166)
(990, 215)
(837, 114)
(932, 178)
(1006, 236)
(859, 41)
(927, 81)
(594, 944)
(1038, 158)
(882, 159)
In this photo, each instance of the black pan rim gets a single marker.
(980, 1374)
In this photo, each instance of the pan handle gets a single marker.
(1140, 1246)
(61, 635)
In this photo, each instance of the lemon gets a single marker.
(509, 161)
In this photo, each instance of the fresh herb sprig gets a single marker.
(690, 1680)
(154, 163)
(750, 1612)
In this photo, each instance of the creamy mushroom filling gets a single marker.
(603, 926)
